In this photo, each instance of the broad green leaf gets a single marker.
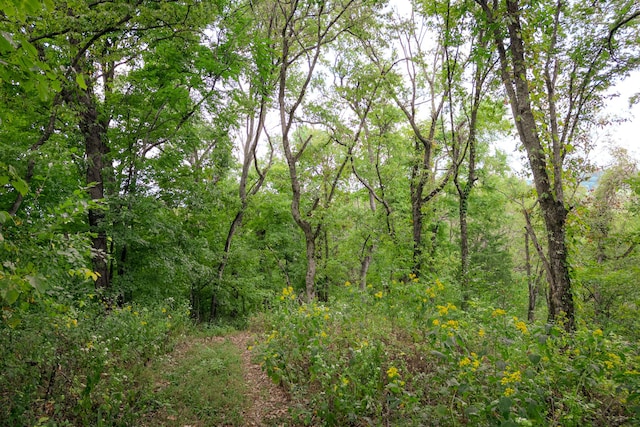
(21, 186)
(505, 405)
(37, 283)
(11, 295)
(534, 358)
(81, 82)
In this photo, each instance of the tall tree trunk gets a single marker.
(94, 132)
(513, 70)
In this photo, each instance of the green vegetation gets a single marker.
(403, 354)
(69, 364)
(325, 172)
(200, 384)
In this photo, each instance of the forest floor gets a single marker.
(214, 381)
(267, 403)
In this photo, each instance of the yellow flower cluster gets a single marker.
(520, 325)
(508, 391)
(481, 333)
(597, 333)
(287, 293)
(613, 360)
(444, 309)
(392, 372)
(466, 361)
(453, 324)
(431, 291)
(498, 312)
(347, 283)
(511, 377)
(378, 294)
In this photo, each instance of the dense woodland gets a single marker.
(326, 173)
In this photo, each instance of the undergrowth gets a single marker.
(405, 355)
(79, 363)
(199, 384)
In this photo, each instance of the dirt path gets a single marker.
(267, 403)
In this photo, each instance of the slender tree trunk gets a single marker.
(309, 278)
(531, 282)
(365, 263)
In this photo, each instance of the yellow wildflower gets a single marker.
(453, 324)
(510, 378)
(522, 327)
(597, 332)
(498, 312)
(481, 333)
(345, 381)
(439, 285)
(323, 334)
(378, 294)
(392, 372)
(509, 391)
(436, 322)
(464, 362)
(614, 360)
(347, 283)
(442, 310)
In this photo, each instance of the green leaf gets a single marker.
(37, 283)
(11, 295)
(20, 185)
(504, 405)
(81, 82)
(4, 217)
(535, 358)
(5, 43)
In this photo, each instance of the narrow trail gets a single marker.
(267, 403)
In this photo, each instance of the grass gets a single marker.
(199, 384)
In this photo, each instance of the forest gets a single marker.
(321, 189)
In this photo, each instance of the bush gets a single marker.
(72, 364)
(404, 354)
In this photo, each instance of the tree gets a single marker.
(553, 109)
(304, 29)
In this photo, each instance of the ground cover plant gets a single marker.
(82, 366)
(405, 354)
